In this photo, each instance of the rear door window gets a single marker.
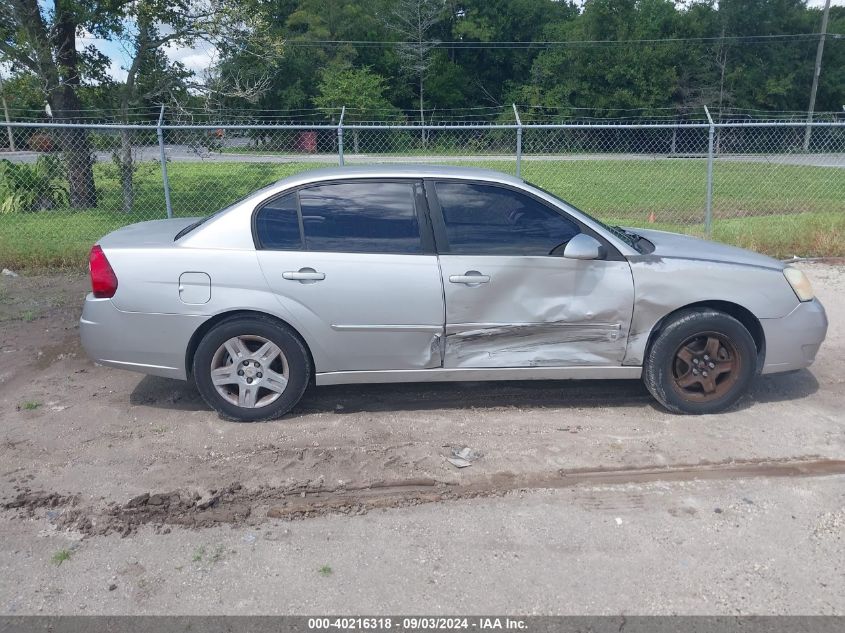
(361, 217)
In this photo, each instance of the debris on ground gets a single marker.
(10, 273)
(463, 456)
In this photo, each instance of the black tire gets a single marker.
(676, 372)
(298, 366)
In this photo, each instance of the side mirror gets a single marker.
(583, 246)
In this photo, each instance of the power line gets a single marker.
(742, 39)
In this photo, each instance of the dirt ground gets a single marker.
(112, 479)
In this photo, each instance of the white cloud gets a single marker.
(197, 58)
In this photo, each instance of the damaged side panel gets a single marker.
(660, 290)
(532, 345)
(536, 312)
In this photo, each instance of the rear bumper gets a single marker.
(149, 343)
(792, 341)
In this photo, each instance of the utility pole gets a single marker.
(816, 73)
(6, 112)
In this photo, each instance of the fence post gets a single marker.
(163, 158)
(340, 137)
(708, 203)
(518, 142)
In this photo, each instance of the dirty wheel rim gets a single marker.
(705, 367)
(249, 371)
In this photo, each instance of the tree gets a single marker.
(309, 29)
(44, 43)
(616, 75)
(766, 76)
(360, 90)
(154, 25)
(412, 21)
(831, 95)
(497, 69)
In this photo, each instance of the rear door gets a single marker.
(353, 260)
(512, 299)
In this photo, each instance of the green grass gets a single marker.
(674, 189)
(325, 570)
(777, 209)
(201, 554)
(30, 405)
(61, 556)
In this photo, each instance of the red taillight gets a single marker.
(103, 279)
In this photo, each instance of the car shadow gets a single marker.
(343, 399)
(793, 385)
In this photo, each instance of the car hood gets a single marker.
(679, 246)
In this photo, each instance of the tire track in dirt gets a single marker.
(235, 505)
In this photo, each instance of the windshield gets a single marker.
(629, 237)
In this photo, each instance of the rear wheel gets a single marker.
(702, 362)
(251, 368)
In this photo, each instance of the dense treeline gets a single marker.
(380, 57)
(720, 55)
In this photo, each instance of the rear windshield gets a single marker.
(202, 221)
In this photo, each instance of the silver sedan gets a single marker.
(421, 273)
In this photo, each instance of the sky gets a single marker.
(196, 58)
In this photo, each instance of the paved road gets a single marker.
(184, 153)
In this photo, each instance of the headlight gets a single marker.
(799, 282)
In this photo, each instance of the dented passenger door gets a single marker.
(512, 298)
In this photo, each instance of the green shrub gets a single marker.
(32, 187)
(104, 142)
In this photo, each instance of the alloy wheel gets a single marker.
(249, 371)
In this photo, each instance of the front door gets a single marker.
(510, 302)
(353, 262)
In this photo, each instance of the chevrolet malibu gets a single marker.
(419, 273)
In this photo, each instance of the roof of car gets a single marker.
(409, 170)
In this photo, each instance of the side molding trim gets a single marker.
(464, 374)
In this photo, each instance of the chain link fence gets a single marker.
(62, 186)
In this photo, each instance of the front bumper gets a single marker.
(792, 341)
(149, 343)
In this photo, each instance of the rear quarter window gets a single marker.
(277, 224)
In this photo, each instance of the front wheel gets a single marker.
(251, 368)
(703, 361)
